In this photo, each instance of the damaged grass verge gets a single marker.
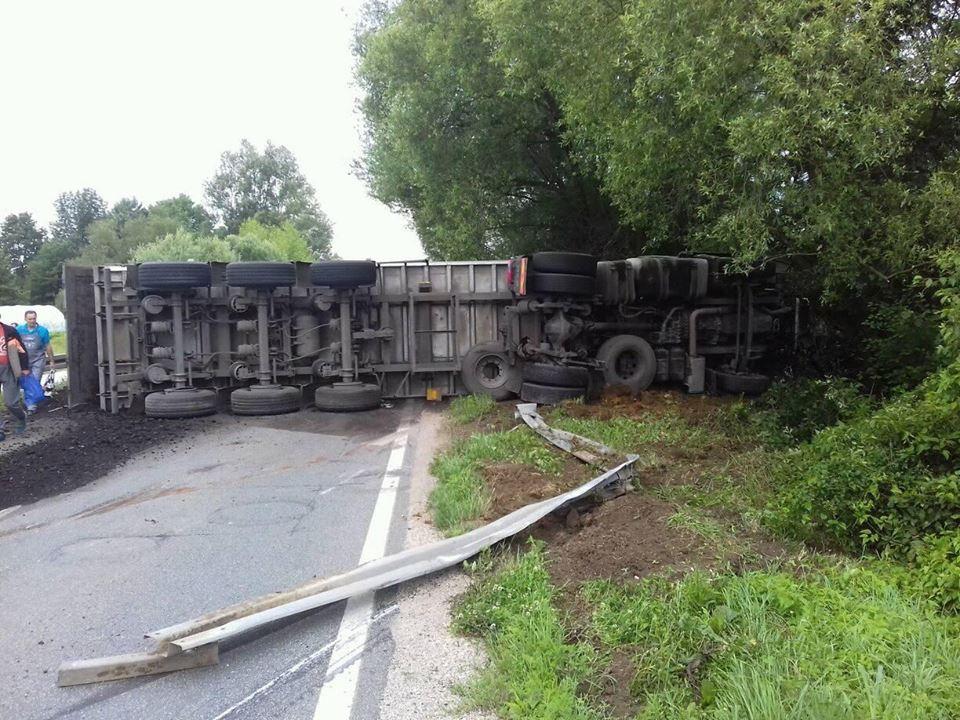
(534, 672)
(461, 496)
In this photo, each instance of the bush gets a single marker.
(794, 411)
(889, 479)
(937, 569)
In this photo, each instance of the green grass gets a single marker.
(469, 408)
(460, 496)
(840, 641)
(533, 671)
(631, 435)
(59, 342)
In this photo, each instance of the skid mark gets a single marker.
(130, 500)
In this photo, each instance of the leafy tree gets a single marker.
(127, 209)
(75, 212)
(183, 245)
(113, 242)
(270, 188)
(478, 161)
(10, 291)
(187, 214)
(827, 133)
(20, 240)
(257, 241)
(44, 272)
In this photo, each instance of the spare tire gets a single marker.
(265, 400)
(173, 275)
(486, 370)
(552, 374)
(180, 403)
(347, 397)
(741, 383)
(261, 274)
(629, 361)
(566, 263)
(549, 394)
(344, 274)
(559, 284)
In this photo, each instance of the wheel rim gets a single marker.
(627, 364)
(491, 371)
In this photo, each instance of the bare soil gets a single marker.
(63, 449)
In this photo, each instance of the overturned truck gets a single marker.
(178, 338)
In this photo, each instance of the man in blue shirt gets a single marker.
(36, 341)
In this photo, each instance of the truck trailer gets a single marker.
(175, 339)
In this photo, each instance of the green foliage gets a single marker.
(900, 349)
(534, 672)
(114, 242)
(44, 273)
(76, 211)
(479, 164)
(936, 569)
(630, 435)
(470, 408)
(184, 213)
(182, 245)
(58, 340)
(460, 496)
(268, 187)
(890, 478)
(9, 286)
(844, 641)
(20, 241)
(793, 411)
(256, 241)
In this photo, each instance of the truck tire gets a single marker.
(486, 370)
(173, 275)
(549, 394)
(629, 361)
(265, 400)
(741, 383)
(557, 375)
(261, 274)
(344, 274)
(180, 403)
(347, 397)
(565, 263)
(561, 284)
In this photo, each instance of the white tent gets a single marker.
(47, 315)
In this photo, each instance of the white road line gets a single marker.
(292, 670)
(343, 670)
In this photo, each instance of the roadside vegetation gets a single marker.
(793, 556)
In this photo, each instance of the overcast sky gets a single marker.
(138, 98)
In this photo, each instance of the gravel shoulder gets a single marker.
(429, 661)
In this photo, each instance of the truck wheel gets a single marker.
(629, 361)
(558, 375)
(347, 397)
(180, 403)
(566, 263)
(265, 400)
(261, 274)
(172, 275)
(344, 274)
(549, 394)
(741, 383)
(486, 370)
(561, 284)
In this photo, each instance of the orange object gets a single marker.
(434, 394)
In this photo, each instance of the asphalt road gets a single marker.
(253, 506)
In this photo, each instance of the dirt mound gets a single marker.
(514, 485)
(656, 403)
(63, 449)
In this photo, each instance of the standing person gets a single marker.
(36, 341)
(13, 363)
